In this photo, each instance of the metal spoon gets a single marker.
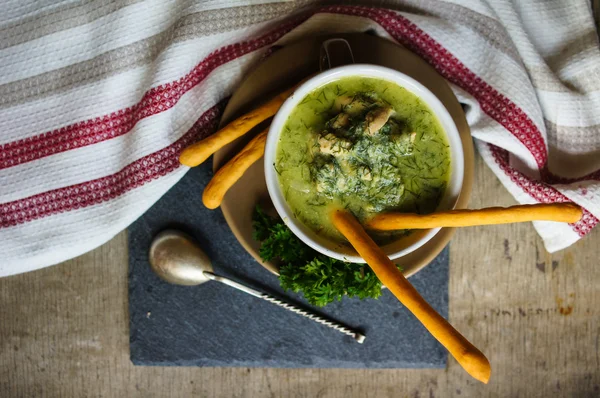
(176, 258)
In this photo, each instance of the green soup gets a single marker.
(364, 144)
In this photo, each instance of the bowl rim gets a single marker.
(307, 235)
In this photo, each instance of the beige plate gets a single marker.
(286, 67)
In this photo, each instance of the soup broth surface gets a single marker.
(364, 144)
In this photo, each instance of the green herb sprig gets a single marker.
(319, 278)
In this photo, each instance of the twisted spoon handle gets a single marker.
(288, 306)
(324, 321)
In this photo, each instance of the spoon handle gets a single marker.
(288, 306)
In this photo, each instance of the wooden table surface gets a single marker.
(64, 330)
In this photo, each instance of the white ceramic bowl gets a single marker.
(404, 245)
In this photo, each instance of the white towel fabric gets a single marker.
(97, 98)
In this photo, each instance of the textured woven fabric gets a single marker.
(97, 98)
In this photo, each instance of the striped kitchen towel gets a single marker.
(97, 98)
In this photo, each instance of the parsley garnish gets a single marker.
(321, 279)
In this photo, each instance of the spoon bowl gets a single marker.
(175, 258)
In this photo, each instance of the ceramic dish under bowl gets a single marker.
(401, 246)
(286, 67)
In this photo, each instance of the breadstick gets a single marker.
(233, 171)
(197, 153)
(467, 355)
(561, 212)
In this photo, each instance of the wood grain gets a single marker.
(64, 329)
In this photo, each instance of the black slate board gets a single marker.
(215, 325)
